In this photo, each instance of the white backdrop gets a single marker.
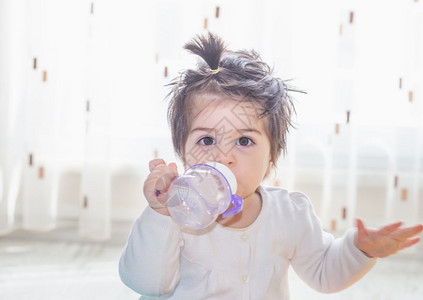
(82, 109)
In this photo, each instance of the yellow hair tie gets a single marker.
(214, 71)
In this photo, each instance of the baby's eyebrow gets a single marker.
(203, 129)
(250, 130)
(242, 130)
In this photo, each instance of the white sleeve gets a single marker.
(324, 263)
(149, 263)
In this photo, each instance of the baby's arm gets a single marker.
(326, 264)
(149, 263)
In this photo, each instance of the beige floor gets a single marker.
(57, 265)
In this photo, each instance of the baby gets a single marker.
(230, 109)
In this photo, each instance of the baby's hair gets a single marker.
(210, 50)
(241, 75)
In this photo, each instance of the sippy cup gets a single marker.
(205, 191)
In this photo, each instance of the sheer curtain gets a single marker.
(82, 109)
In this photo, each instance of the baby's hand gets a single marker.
(387, 240)
(157, 184)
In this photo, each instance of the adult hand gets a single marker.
(387, 240)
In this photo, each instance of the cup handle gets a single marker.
(237, 202)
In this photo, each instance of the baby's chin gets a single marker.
(245, 193)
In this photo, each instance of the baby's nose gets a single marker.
(227, 158)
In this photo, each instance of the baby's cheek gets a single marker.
(197, 154)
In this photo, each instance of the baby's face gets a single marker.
(229, 132)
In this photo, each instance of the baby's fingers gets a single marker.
(155, 162)
(408, 243)
(173, 168)
(403, 234)
(361, 230)
(150, 193)
(390, 228)
(158, 182)
(164, 175)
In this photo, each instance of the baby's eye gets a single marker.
(207, 141)
(244, 141)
